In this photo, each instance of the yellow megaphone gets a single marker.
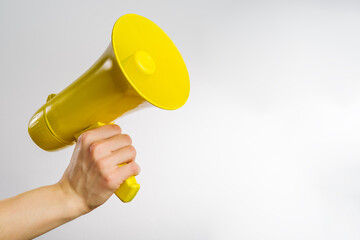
(141, 64)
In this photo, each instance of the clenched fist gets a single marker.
(93, 173)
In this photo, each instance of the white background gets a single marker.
(267, 146)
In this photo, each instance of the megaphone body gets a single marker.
(141, 65)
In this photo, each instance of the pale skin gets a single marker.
(90, 179)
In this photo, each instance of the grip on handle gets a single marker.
(129, 188)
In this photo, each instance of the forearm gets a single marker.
(90, 179)
(35, 212)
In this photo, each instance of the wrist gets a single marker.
(74, 203)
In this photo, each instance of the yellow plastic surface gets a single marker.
(166, 87)
(140, 65)
(128, 189)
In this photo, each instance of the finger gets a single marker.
(124, 155)
(124, 172)
(103, 132)
(104, 148)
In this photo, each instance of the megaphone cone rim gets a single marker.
(166, 106)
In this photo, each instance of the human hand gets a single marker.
(93, 173)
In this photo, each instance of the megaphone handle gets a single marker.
(129, 188)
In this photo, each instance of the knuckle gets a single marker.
(132, 150)
(84, 138)
(127, 139)
(116, 128)
(135, 168)
(110, 182)
(101, 167)
(95, 149)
